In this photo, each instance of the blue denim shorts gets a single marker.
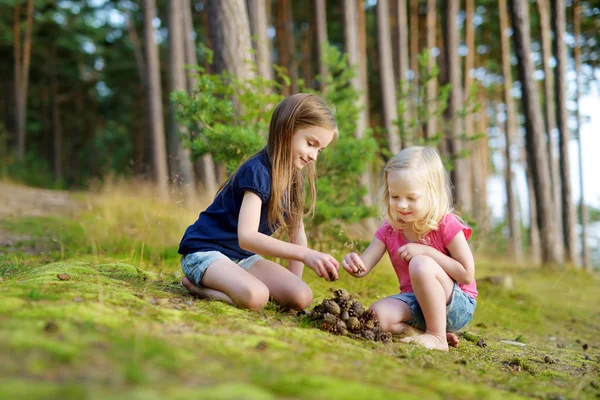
(195, 265)
(458, 312)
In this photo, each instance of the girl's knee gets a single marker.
(255, 297)
(301, 298)
(422, 265)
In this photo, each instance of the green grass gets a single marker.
(122, 327)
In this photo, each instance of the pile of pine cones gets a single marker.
(342, 315)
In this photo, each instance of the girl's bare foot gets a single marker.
(452, 339)
(428, 340)
(205, 293)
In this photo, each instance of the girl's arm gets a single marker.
(251, 239)
(361, 266)
(460, 266)
(298, 266)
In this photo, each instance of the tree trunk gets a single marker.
(388, 86)
(537, 159)
(306, 46)
(56, 130)
(262, 46)
(481, 169)
(353, 51)
(321, 22)
(155, 108)
(182, 172)
(22, 74)
(453, 122)
(514, 227)
(414, 63)
(468, 120)
(230, 31)
(562, 119)
(403, 62)
(431, 86)
(205, 167)
(286, 44)
(549, 114)
(585, 251)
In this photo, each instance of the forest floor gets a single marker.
(118, 325)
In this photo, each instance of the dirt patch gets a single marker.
(18, 201)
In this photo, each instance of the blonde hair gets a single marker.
(287, 202)
(426, 162)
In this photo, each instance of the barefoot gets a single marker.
(194, 290)
(428, 340)
(452, 339)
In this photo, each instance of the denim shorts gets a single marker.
(458, 312)
(195, 265)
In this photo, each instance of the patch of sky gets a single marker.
(102, 89)
(538, 75)
(59, 18)
(88, 47)
(463, 50)
(99, 64)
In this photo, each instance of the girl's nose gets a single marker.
(312, 155)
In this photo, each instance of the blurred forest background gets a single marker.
(180, 92)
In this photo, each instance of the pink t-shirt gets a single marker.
(438, 239)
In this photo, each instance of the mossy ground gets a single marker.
(122, 327)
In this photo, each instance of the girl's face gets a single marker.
(308, 142)
(408, 195)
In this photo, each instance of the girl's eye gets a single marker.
(413, 198)
(310, 143)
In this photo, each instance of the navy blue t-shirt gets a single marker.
(216, 228)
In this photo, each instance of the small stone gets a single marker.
(585, 346)
(587, 357)
(63, 277)
(481, 343)
(549, 360)
(189, 303)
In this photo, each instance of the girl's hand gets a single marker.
(353, 264)
(324, 265)
(409, 250)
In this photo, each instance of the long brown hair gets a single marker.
(287, 202)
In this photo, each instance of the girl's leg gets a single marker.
(392, 315)
(432, 287)
(226, 281)
(285, 288)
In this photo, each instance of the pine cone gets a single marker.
(345, 304)
(341, 294)
(368, 334)
(357, 308)
(353, 324)
(344, 316)
(385, 337)
(331, 307)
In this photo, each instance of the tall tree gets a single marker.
(560, 91)
(182, 172)
(431, 85)
(549, 113)
(453, 122)
(262, 47)
(286, 43)
(585, 251)
(414, 61)
(388, 85)
(514, 227)
(352, 49)
(21, 67)
(205, 166)
(155, 109)
(537, 159)
(321, 22)
(230, 36)
(470, 164)
(403, 62)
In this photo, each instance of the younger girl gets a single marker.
(427, 245)
(220, 251)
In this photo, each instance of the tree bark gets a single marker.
(414, 63)
(514, 238)
(388, 86)
(321, 22)
(262, 46)
(204, 166)
(562, 119)
(468, 120)
(585, 251)
(537, 159)
(182, 172)
(22, 74)
(403, 62)
(286, 43)
(431, 85)
(155, 109)
(454, 129)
